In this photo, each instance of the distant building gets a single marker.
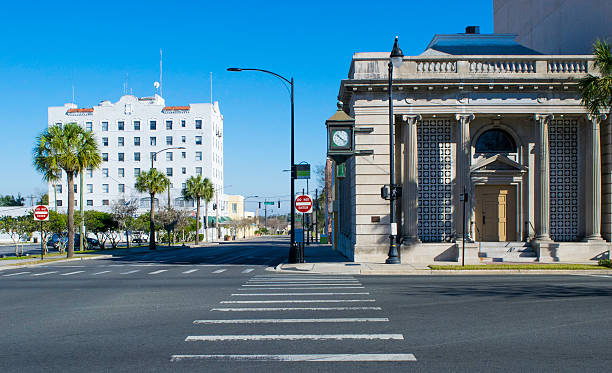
(554, 27)
(129, 132)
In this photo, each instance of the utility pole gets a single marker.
(316, 222)
(217, 214)
(265, 214)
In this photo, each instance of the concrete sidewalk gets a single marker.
(322, 259)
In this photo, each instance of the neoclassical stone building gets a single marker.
(483, 114)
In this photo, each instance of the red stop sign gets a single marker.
(41, 213)
(303, 204)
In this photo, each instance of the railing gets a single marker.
(502, 67)
(569, 66)
(436, 66)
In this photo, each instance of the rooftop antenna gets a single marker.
(73, 94)
(160, 72)
(156, 85)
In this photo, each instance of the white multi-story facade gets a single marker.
(188, 141)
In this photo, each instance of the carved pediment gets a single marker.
(499, 163)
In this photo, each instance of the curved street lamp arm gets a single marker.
(263, 71)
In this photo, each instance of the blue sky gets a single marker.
(50, 46)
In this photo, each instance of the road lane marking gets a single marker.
(44, 273)
(273, 321)
(158, 272)
(313, 357)
(248, 270)
(128, 272)
(219, 271)
(351, 282)
(279, 294)
(281, 285)
(99, 273)
(309, 288)
(190, 271)
(297, 309)
(71, 273)
(15, 274)
(291, 337)
(298, 301)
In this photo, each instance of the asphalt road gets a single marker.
(28, 248)
(216, 309)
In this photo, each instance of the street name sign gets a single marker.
(269, 203)
(303, 204)
(41, 213)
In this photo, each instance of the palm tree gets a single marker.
(152, 182)
(209, 192)
(194, 189)
(596, 91)
(69, 148)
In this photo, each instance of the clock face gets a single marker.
(340, 138)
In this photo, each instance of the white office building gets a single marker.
(182, 141)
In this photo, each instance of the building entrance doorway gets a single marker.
(495, 213)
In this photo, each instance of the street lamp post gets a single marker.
(395, 191)
(154, 156)
(293, 254)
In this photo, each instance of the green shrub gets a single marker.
(605, 263)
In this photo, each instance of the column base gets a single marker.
(594, 238)
(471, 252)
(545, 249)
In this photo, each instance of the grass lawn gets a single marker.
(551, 266)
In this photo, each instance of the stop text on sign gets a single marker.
(303, 204)
(41, 213)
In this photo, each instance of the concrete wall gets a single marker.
(554, 26)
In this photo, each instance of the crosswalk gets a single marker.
(303, 314)
(123, 271)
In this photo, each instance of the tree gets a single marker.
(124, 215)
(44, 199)
(596, 91)
(170, 219)
(102, 224)
(12, 200)
(152, 182)
(69, 148)
(197, 188)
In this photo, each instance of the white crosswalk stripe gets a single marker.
(248, 270)
(16, 274)
(158, 272)
(280, 321)
(99, 273)
(298, 301)
(269, 309)
(300, 357)
(71, 273)
(130, 272)
(44, 273)
(290, 337)
(220, 271)
(190, 271)
(285, 294)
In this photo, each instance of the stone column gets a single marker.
(411, 179)
(593, 225)
(463, 172)
(542, 185)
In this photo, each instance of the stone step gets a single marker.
(509, 260)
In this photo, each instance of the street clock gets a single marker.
(340, 136)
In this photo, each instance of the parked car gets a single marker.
(56, 239)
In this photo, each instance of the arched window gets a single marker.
(495, 141)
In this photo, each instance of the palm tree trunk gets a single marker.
(152, 223)
(206, 221)
(70, 175)
(197, 240)
(127, 238)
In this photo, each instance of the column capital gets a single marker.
(597, 118)
(464, 117)
(411, 118)
(543, 117)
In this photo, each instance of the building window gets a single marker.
(137, 156)
(90, 202)
(89, 126)
(105, 141)
(137, 172)
(169, 171)
(198, 170)
(121, 157)
(198, 156)
(74, 188)
(169, 156)
(105, 172)
(183, 139)
(153, 141)
(90, 172)
(183, 185)
(58, 188)
(183, 123)
(136, 125)
(168, 140)
(198, 124)
(136, 141)
(120, 141)
(153, 156)
(184, 155)
(495, 141)
(235, 208)
(105, 202)
(104, 126)
(168, 124)
(105, 188)
(58, 203)
(89, 188)
(105, 157)
(152, 125)
(121, 172)
(184, 170)
(198, 140)
(120, 126)
(121, 188)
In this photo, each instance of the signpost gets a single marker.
(41, 213)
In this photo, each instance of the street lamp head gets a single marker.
(234, 69)
(396, 54)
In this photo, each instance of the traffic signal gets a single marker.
(214, 206)
(259, 204)
(278, 204)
